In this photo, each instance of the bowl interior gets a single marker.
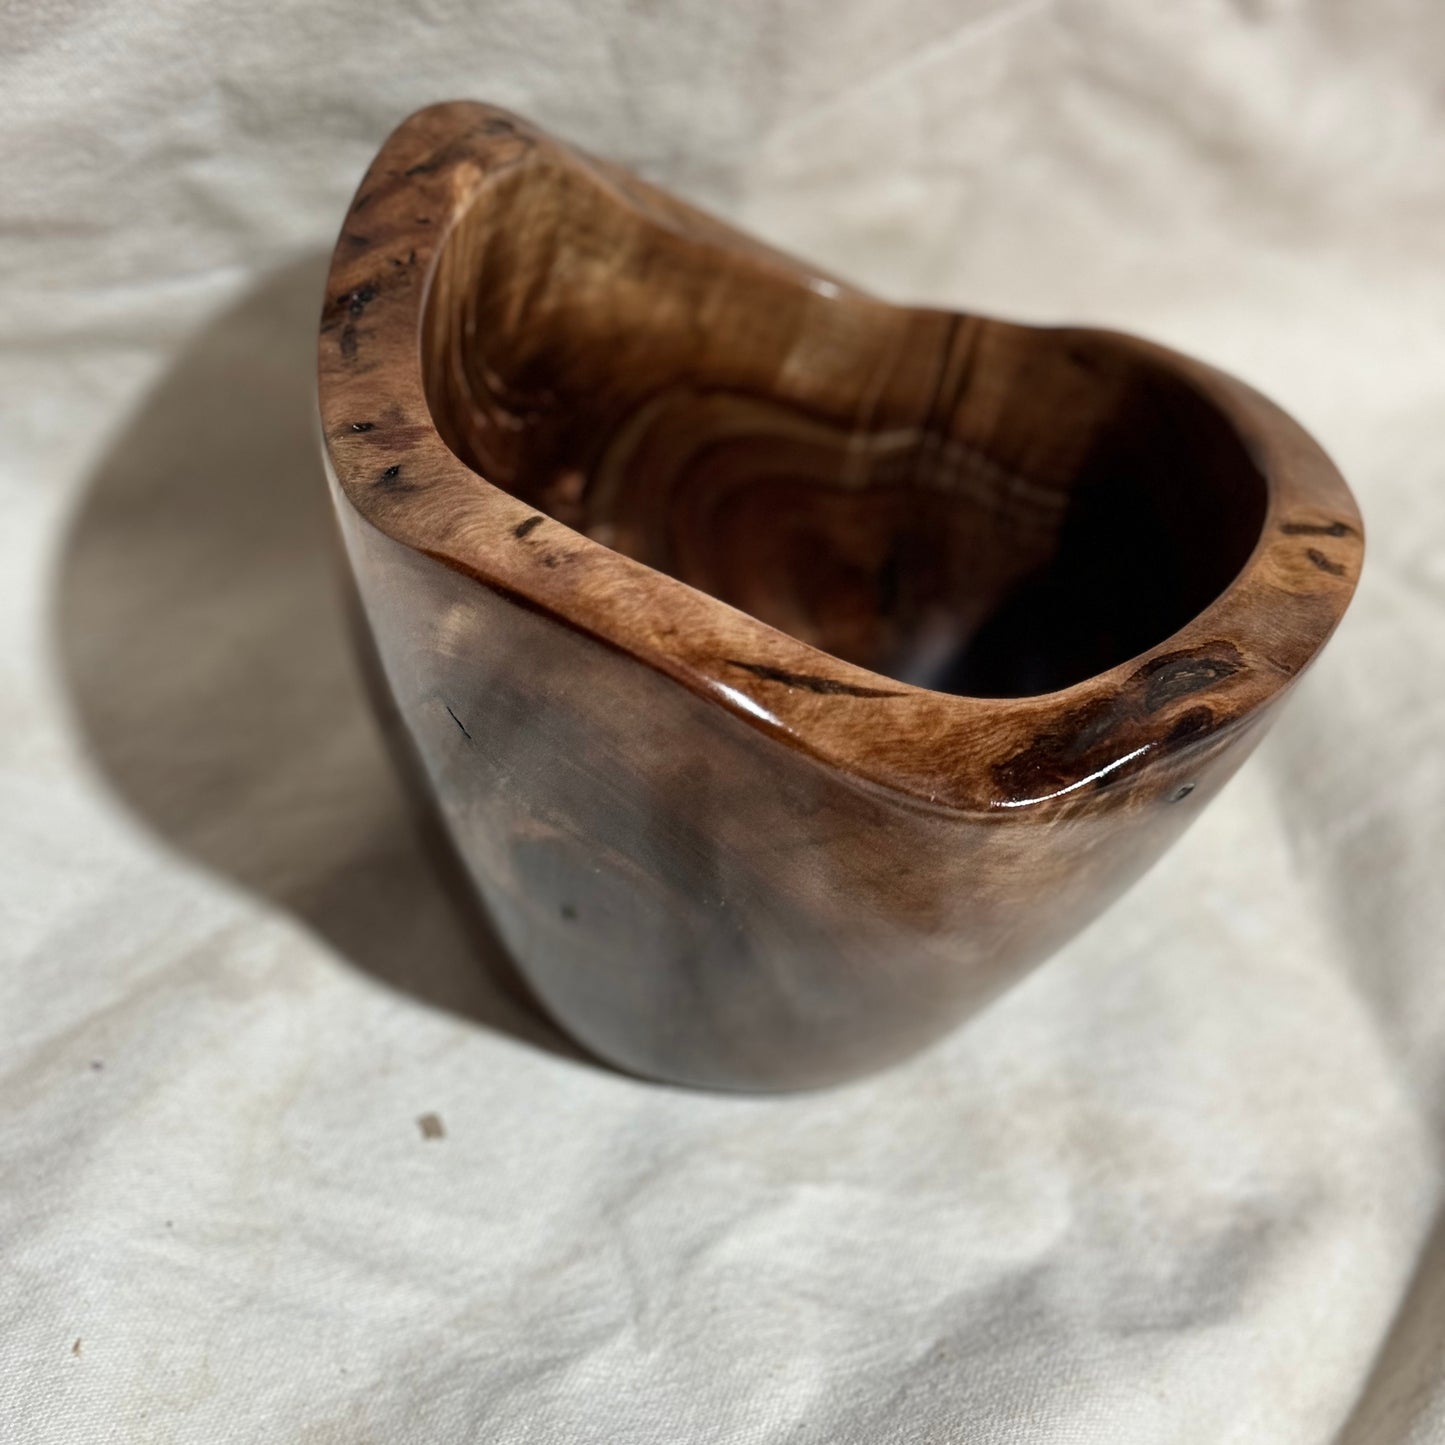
(966, 505)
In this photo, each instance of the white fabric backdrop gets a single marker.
(1183, 1185)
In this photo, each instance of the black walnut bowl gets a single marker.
(792, 670)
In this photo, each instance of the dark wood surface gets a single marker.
(792, 669)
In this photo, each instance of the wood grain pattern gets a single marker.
(793, 670)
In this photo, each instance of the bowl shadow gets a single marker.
(208, 643)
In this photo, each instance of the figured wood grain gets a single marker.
(793, 669)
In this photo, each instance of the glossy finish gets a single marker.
(792, 670)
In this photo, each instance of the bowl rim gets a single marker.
(1147, 721)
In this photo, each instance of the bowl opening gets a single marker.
(969, 506)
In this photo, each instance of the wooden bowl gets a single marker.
(792, 670)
